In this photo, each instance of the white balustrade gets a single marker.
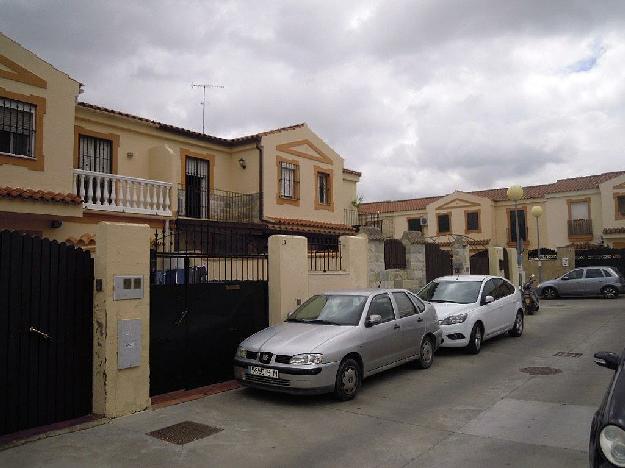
(110, 192)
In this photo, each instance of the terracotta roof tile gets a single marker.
(86, 240)
(573, 184)
(289, 224)
(254, 138)
(40, 195)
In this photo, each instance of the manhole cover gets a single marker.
(565, 354)
(540, 370)
(184, 432)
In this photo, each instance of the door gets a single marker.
(593, 282)
(491, 313)
(507, 296)
(571, 284)
(197, 188)
(382, 341)
(411, 323)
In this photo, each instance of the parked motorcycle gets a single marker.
(530, 297)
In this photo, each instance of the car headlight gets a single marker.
(453, 319)
(241, 352)
(302, 359)
(612, 442)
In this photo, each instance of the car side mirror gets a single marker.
(488, 300)
(373, 320)
(609, 360)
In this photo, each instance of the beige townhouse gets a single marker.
(580, 211)
(66, 165)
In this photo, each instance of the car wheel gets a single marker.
(475, 340)
(609, 292)
(550, 293)
(426, 354)
(519, 324)
(348, 380)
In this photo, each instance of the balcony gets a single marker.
(356, 219)
(218, 205)
(580, 227)
(110, 192)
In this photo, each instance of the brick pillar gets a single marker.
(415, 260)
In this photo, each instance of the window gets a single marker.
(473, 221)
(288, 180)
(620, 206)
(443, 223)
(417, 302)
(95, 154)
(323, 187)
(520, 214)
(333, 308)
(404, 305)
(17, 128)
(579, 210)
(575, 274)
(490, 289)
(594, 273)
(381, 305)
(415, 224)
(607, 273)
(502, 289)
(455, 292)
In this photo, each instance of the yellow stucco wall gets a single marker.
(58, 122)
(343, 193)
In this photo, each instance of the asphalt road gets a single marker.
(469, 411)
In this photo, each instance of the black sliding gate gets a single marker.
(208, 293)
(46, 317)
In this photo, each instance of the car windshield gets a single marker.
(330, 309)
(457, 292)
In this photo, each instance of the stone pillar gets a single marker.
(415, 260)
(461, 260)
(288, 275)
(495, 261)
(375, 255)
(121, 249)
(355, 259)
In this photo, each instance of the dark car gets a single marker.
(607, 433)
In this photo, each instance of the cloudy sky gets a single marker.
(422, 96)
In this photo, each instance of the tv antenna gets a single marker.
(203, 103)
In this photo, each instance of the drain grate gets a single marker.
(565, 354)
(184, 432)
(540, 370)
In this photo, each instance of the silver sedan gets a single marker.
(335, 340)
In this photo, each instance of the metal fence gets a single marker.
(192, 254)
(354, 218)
(324, 254)
(218, 205)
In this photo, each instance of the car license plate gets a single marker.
(261, 371)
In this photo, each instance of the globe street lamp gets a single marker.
(537, 212)
(515, 193)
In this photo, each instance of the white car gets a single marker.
(474, 308)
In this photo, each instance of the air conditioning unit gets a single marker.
(423, 221)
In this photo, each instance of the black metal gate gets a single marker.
(437, 262)
(394, 254)
(208, 293)
(479, 263)
(46, 320)
(603, 256)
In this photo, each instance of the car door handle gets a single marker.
(420, 319)
(396, 327)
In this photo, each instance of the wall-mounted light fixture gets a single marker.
(56, 223)
(130, 155)
(242, 163)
